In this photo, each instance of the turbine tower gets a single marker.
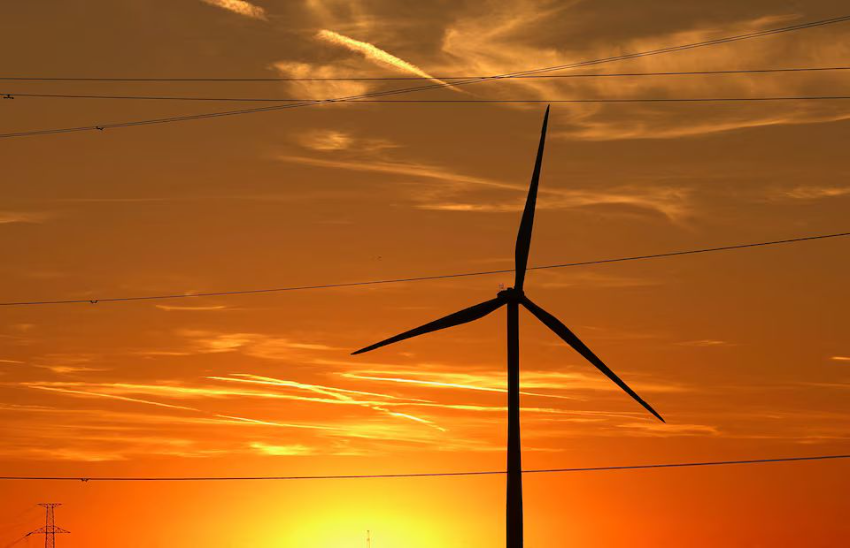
(50, 529)
(512, 298)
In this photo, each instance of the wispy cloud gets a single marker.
(11, 217)
(176, 391)
(330, 140)
(703, 343)
(338, 394)
(373, 53)
(239, 7)
(86, 393)
(816, 192)
(256, 345)
(281, 450)
(660, 430)
(230, 419)
(73, 454)
(66, 369)
(323, 87)
(674, 203)
(438, 384)
(171, 307)
(495, 381)
(412, 169)
(500, 37)
(326, 140)
(236, 419)
(840, 358)
(553, 279)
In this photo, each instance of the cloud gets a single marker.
(330, 140)
(65, 369)
(703, 343)
(555, 279)
(129, 392)
(500, 38)
(437, 384)
(496, 39)
(412, 169)
(352, 16)
(12, 217)
(251, 344)
(651, 122)
(840, 358)
(815, 192)
(53, 388)
(231, 418)
(659, 430)
(338, 394)
(176, 391)
(107, 391)
(495, 381)
(170, 307)
(323, 87)
(374, 53)
(76, 433)
(281, 450)
(674, 203)
(239, 7)
(325, 140)
(71, 454)
(220, 342)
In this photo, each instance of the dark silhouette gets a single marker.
(50, 528)
(513, 297)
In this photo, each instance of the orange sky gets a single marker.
(744, 353)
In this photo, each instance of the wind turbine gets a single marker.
(513, 297)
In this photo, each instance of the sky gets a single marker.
(745, 353)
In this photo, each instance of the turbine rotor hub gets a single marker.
(511, 294)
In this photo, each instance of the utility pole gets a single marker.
(49, 530)
(368, 539)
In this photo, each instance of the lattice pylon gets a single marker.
(50, 529)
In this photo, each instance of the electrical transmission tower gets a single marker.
(49, 530)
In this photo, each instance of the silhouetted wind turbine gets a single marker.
(513, 297)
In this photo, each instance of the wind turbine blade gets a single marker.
(570, 338)
(464, 316)
(523, 238)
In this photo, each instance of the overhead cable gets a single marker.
(410, 78)
(623, 57)
(420, 475)
(423, 278)
(14, 95)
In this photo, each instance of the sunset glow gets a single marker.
(743, 352)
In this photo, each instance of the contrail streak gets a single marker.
(239, 7)
(374, 53)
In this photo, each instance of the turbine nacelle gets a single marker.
(511, 295)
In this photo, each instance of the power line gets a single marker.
(633, 100)
(624, 57)
(426, 278)
(14, 95)
(414, 78)
(426, 474)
